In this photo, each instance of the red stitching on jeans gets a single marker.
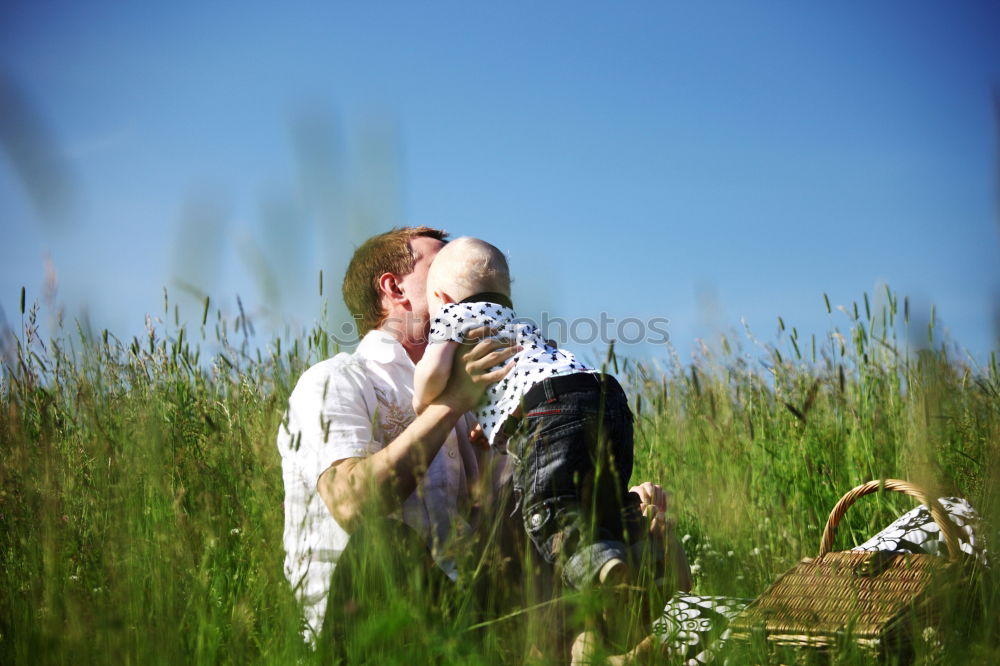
(551, 411)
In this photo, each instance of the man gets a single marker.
(351, 443)
(354, 453)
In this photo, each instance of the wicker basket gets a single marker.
(864, 597)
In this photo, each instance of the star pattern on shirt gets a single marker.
(535, 362)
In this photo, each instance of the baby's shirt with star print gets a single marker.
(535, 362)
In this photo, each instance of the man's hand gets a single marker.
(653, 502)
(470, 373)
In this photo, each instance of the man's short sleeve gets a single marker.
(330, 414)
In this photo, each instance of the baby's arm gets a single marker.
(432, 373)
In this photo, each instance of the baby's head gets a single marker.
(464, 267)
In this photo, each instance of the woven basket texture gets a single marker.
(863, 594)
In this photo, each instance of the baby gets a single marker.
(567, 427)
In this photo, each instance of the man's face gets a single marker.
(414, 285)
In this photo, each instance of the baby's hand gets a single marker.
(478, 437)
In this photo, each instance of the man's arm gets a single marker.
(383, 480)
(432, 373)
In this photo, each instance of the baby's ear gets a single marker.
(445, 298)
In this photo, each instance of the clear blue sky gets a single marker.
(703, 162)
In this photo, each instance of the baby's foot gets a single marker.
(614, 572)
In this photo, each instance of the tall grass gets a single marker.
(141, 498)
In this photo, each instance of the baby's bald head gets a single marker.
(467, 266)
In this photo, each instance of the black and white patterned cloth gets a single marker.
(693, 628)
(916, 531)
(537, 361)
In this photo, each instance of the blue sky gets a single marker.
(702, 162)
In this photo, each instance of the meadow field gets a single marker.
(141, 495)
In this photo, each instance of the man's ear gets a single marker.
(388, 286)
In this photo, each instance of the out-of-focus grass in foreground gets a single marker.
(141, 497)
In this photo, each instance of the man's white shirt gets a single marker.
(350, 406)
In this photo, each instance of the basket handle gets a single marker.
(948, 529)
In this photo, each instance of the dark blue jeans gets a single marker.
(573, 459)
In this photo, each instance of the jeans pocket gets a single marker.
(551, 526)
